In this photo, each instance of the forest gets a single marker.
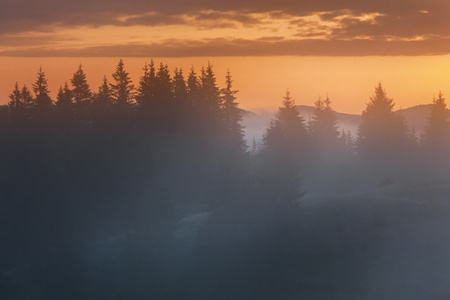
(149, 190)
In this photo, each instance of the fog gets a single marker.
(154, 194)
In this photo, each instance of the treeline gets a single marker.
(136, 158)
(94, 164)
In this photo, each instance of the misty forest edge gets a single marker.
(135, 160)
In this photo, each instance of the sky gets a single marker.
(342, 48)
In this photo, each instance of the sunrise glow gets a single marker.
(312, 48)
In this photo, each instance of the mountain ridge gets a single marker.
(255, 124)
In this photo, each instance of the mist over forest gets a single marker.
(166, 189)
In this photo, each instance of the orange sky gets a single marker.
(340, 47)
(262, 81)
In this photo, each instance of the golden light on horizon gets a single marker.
(262, 81)
(314, 49)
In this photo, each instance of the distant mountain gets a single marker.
(416, 117)
(256, 124)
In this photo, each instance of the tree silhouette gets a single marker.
(146, 90)
(102, 103)
(81, 92)
(183, 108)
(104, 95)
(43, 102)
(323, 128)
(209, 103)
(20, 104)
(346, 143)
(180, 90)
(285, 146)
(64, 103)
(122, 88)
(382, 133)
(15, 98)
(234, 131)
(163, 113)
(193, 87)
(437, 132)
(287, 132)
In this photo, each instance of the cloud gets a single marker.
(394, 24)
(29, 41)
(242, 47)
(17, 15)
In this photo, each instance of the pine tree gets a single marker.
(437, 131)
(382, 133)
(27, 98)
(184, 110)
(287, 132)
(323, 128)
(210, 101)
(146, 90)
(285, 147)
(43, 102)
(163, 87)
(104, 95)
(234, 132)
(346, 143)
(122, 88)
(81, 92)
(64, 101)
(180, 90)
(102, 104)
(15, 102)
(20, 104)
(193, 87)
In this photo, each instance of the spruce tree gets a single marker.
(104, 95)
(20, 104)
(43, 102)
(81, 92)
(183, 106)
(146, 90)
(102, 103)
(193, 88)
(64, 99)
(287, 132)
(323, 128)
(15, 102)
(163, 87)
(163, 113)
(232, 116)
(180, 90)
(382, 133)
(437, 131)
(210, 101)
(346, 143)
(64, 106)
(27, 98)
(193, 97)
(285, 148)
(122, 88)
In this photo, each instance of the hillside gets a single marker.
(255, 124)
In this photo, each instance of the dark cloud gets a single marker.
(18, 15)
(236, 16)
(397, 20)
(150, 20)
(243, 47)
(29, 41)
(404, 26)
(271, 38)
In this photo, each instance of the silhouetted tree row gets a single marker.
(128, 158)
